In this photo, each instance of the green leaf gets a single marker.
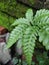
(29, 15)
(21, 21)
(44, 38)
(19, 44)
(15, 35)
(41, 35)
(41, 14)
(28, 44)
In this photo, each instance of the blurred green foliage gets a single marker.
(6, 21)
(13, 8)
(31, 1)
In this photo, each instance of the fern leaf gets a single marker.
(15, 35)
(41, 34)
(28, 32)
(40, 14)
(29, 15)
(44, 38)
(46, 42)
(21, 21)
(42, 21)
(28, 44)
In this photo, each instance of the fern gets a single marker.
(15, 35)
(21, 21)
(43, 24)
(27, 29)
(29, 43)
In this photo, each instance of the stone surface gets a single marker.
(37, 4)
(46, 4)
(2, 30)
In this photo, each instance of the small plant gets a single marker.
(28, 30)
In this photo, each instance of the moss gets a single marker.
(13, 8)
(6, 21)
(31, 1)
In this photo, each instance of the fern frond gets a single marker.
(41, 34)
(29, 44)
(41, 14)
(29, 15)
(42, 21)
(27, 29)
(15, 35)
(44, 37)
(21, 21)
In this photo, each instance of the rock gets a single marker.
(46, 4)
(37, 4)
(2, 30)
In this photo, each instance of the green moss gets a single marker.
(6, 21)
(31, 1)
(13, 8)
